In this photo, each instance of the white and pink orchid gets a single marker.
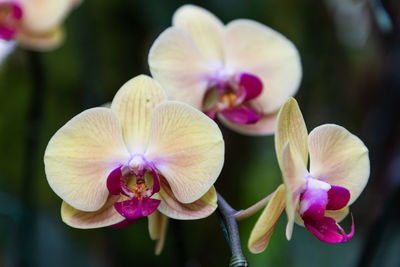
(35, 24)
(241, 72)
(319, 198)
(143, 157)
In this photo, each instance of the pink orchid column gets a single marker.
(143, 157)
(319, 198)
(241, 72)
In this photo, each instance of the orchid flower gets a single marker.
(317, 198)
(241, 73)
(34, 24)
(143, 157)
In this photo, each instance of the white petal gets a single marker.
(257, 49)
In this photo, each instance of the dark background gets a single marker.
(350, 53)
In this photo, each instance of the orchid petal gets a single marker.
(158, 229)
(338, 197)
(204, 28)
(177, 64)
(265, 125)
(40, 41)
(135, 208)
(187, 148)
(294, 170)
(257, 49)
(325, 229)
(81, 155)
(340, 158)
(265, 225)
(241, 115)
(173, 208)
(43, 15)
(293, 173)
(105, 216)
(134, 104)
(291, 127)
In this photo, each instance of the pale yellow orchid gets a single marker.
(34, 24)
(319, 198)
(144, 156)
(241, 72)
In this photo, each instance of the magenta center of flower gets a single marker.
(316, 199)
(10, 17)
(136, 182)
(231, 95)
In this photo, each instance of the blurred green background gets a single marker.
(350, 53)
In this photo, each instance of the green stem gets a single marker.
(244, 214)
(229, 226)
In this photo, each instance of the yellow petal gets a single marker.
(105, 216)
(204, 28)
(134, 104)
(187, 148)
(297, 219)
(257, 49)
(40, 41)
(293, 172)
(81, 155)
(265, 126)
(265, 225)
(43, 15)
(340, 158)
(291, 127)
(158, 229)
(178, 66)
(198, 209)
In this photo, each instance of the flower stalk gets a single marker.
(230, 226)
(244, 214)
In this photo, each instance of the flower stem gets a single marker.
(244, 214)
(229, 225)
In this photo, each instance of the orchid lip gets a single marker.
(10, 16)
(317, 197)
(229, 94)
(326, 230)
(131, 181)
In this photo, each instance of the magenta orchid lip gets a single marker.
(232, 98)
(129, 180)
(10, 16)
(314, 201)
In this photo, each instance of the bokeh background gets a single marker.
(350, 53)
